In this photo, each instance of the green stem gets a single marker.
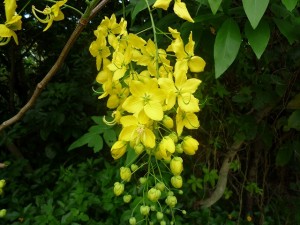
(155, 38)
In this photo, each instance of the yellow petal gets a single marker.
(191, 121)
(188, 103)
(154, 111)
(190, 85)
(128, 121)
(118, 149)
(181, 11)
(10, 8)
(148, 138)
(7, 33)
(162, 4)
(133, 104)
(128, 133)
(196, 64)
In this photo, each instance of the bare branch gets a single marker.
(41, 85)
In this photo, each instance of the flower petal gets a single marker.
(163, 4)
(181, 11)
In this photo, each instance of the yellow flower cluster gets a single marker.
(148, 95)
(152, 98)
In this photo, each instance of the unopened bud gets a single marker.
(168, 122)
(171, 201)
(159, 215)
(139, 148)
(154, 194)
(134, 167)
(2, 213)
(118, 188)
(144, 209)
(2, 183)
(132, 221)
(125, 174)
(143, 180)
(127, 198)
(160, 186)
(176, 181)
(176, 165)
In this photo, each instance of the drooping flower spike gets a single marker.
(13, 23)
(52, 13)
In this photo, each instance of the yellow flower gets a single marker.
(189, 145)
(145, 96)
(119, 63)
(136, 130)
(52, 13)
(166, 148)
(179, 8)
(118, 149)
(13, 23)
(183, 89)
(185, 54)
(186, 119)
(99, 50)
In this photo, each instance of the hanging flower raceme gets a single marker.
(52, 13)
(13, 23)
(154, 101)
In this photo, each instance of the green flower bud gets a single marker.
(118, 188)
(171, 201)
(2, 183)
(163, 222)
(176, 181)
(183, 212)
(139, 148)
(153, 208)
(125, 173)
(134, 167)
(127, 198)
(154, 194)
(178, 148)
(132, 221)
(144, 209)
(143, 180)
(174, 137)
(159, 215)
(180, 192)
(160, 186)
(168, 122)
(2, 213)
(190, 145)
(170, 193)
(176, 165)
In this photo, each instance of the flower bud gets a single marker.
(168, 122)
(153, 208)
(170, 193)
(125, 174)
(190, 145)
(118, 188)
(171, 201)
(176, 181)
(127, 198)
(138, 148)
(178, 148)
(183, 212)
(2, 213)
(176, 165)
(180, 192)
(134, 167)
(143, 180)
(132, 221)
(163, 222)
(2, 183)
(154, 194)
(159, 215)
(118, 149)
(160, 186)
(144, 209)
(174, 137)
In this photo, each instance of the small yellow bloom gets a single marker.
(166, 148)
(13, 23)
(154, 194)
(176, 165)
(179, 8)
(186, 119)
(118, 149)
(2, 213)
(52, 13)
(189, 145)
(99, 50)
(168, 122)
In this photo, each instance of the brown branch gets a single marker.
(41, 85)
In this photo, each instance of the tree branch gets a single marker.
(41, 85)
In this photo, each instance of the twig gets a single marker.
(41, 85)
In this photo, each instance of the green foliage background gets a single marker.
(256, 100)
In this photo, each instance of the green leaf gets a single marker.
(226, 46)
(289, 4)
(110, 137)
(294, 120)
(258, 38)
(254, 10)
(284, 154)
(288, 30)
(140, 6)
(131, 156)
(214, 5)
(88, 138)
